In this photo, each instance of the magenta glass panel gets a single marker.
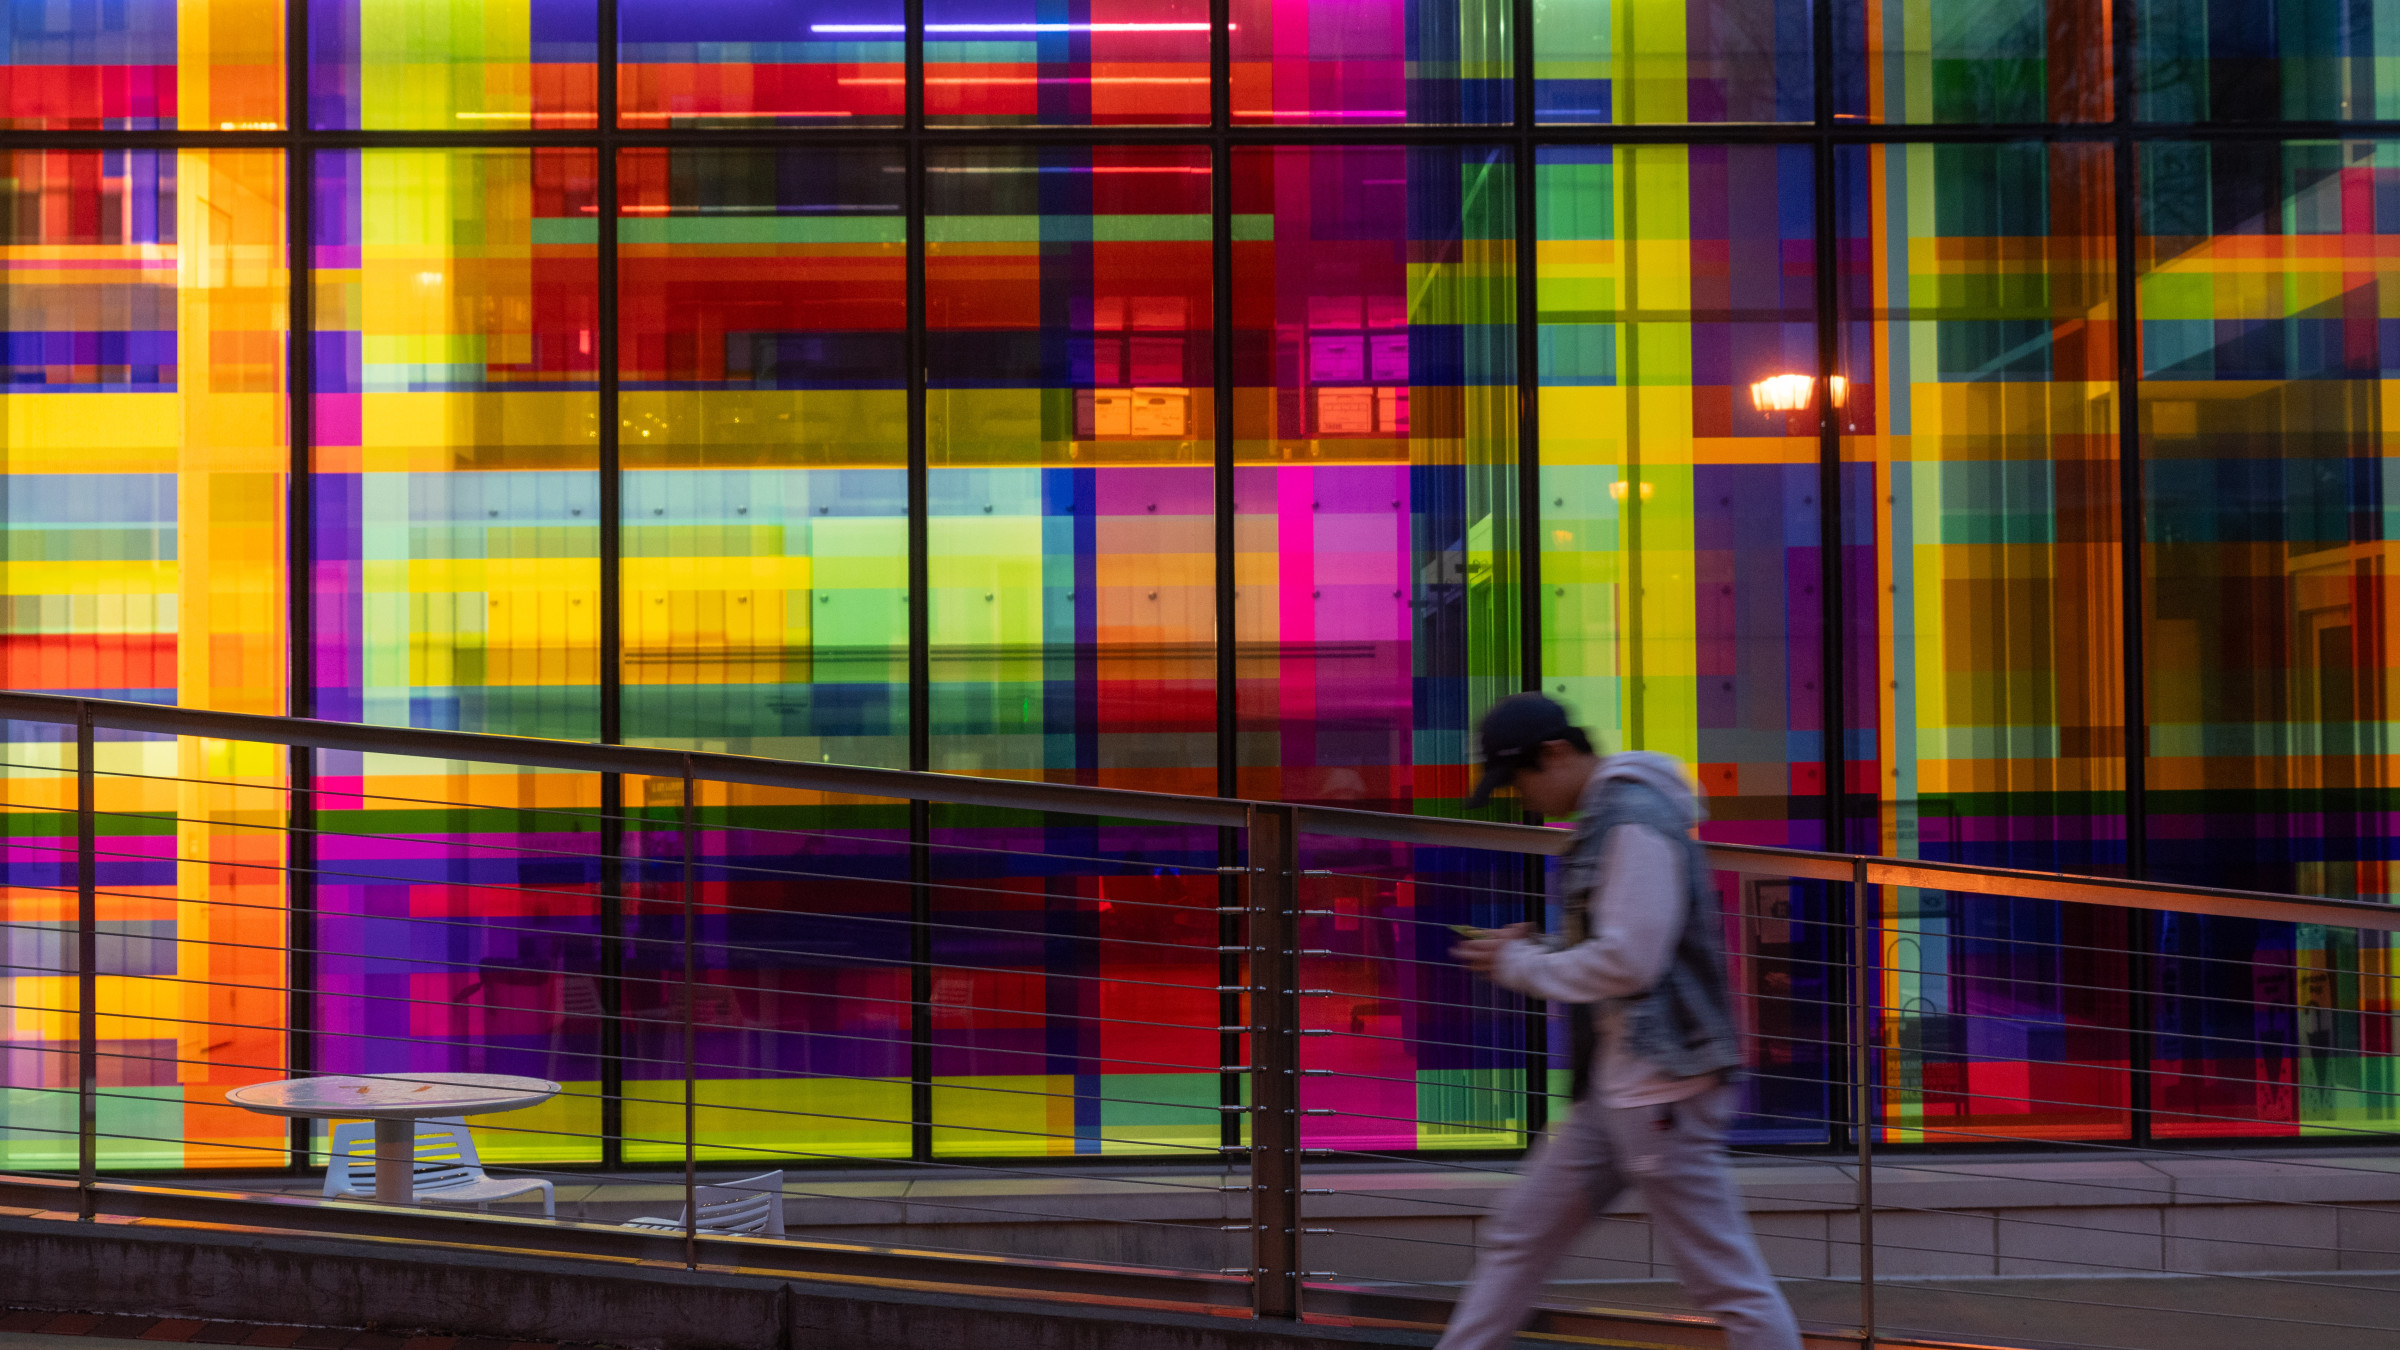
(1353, 63)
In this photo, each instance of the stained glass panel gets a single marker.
(143, 295)
(764, 440)
(452, 65)
(1626, 61)
(1985, 400)
(1070, 430)
(1975, 61)
(1114, 63)
(1362, 63)
(2264, 361)
(142, 65)
(2263, 60)
(1376, 609)
(731, 63)
(1680, 544)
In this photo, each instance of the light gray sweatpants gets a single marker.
(1676, 1156)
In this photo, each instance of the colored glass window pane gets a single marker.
(1071, 550)
(1681, 543)
(798, 985)
(1680, 526)
(764, 438)
(1360, 63)
(1073, 987)
(452, 65)
(457, 585)
(2264, 342)
(1975, 61)
(142, 65)
(765, 575)
(1375, 491)
(1111, 63)
(1629, 61)
(457, 498)
(1405, 1050)
(457, 931)
(1985, 404)
(2264, 60)
(1375, 423)
(143, 298)
(1070, 434)
(727, 63)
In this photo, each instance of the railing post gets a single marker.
(300, 938)
(87, 971)
(1862, 1099)
(612, 972)
(691, 917)
(1274, 1024)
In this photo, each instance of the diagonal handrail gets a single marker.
(1215, 812)
(1275, 1281)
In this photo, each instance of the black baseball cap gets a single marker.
(1511, 733)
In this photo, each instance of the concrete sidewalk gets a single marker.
(2206, 1312)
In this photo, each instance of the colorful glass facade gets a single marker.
(142, 427)
(148, 65)
(451, 65)
(737, 63)
(1081, 415)
(1984, 402)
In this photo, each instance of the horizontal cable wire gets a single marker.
(432, 1199)
(668, 1023)
(645, 823)
(719, 906)
(670, 981)
(342, 876)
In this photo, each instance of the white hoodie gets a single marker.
(1636, 907)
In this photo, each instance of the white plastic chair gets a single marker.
(752, 1206)
(448, 1170)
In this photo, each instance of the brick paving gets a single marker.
(193, 1331)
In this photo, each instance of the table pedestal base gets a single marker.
(396, 1162)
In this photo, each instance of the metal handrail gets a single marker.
(1270, 904)
(1213, 812)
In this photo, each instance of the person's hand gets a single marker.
(1480, 954)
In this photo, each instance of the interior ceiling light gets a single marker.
(1793, 393)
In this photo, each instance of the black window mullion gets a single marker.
(920, 607)
(1532, 868)
(1231, 1084)
(612, 607)
(1832, 667)
(2134, 714)
(299, 405)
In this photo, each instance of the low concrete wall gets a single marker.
(2022, 1215)
(175, 1271)
(1990, 1216)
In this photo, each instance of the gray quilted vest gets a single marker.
(1684, 1023)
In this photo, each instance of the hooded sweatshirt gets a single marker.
(1635, 900)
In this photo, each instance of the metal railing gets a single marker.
(1226, 894)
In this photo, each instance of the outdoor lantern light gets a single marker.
(1792, 393)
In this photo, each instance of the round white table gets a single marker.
(395, 1102)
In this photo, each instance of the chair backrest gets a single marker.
(445, 1156)
(752, 1205)
(446, 1153)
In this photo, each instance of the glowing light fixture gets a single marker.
(1014, 28)
(1793, 393)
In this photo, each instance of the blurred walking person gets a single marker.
(1642, 967)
